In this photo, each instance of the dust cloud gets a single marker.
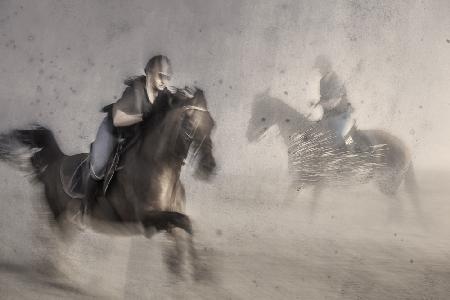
(63, 60)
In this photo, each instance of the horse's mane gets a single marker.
(274, 104)
(129, 80)
(190, 96)
(186, 97)
(182, 96)
(174, 112)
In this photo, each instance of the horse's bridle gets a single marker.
(197, 108)
(185, 109)
(193, 107)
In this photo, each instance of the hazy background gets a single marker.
(61, 61)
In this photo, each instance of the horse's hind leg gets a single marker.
(389, 184)
(413, 191)
(292, 192)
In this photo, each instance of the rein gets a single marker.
(185, 109)
(193, 107)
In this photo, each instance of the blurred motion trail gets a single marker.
(359, 245)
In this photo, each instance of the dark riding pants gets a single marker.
(102, 148)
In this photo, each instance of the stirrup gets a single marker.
(84, 209)
(79, 220)
(349, 140)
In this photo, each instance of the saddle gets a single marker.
(71, 174)
(72, 169)
(357, 142)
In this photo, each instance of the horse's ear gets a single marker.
(199, 97)
(264, 93)
(199, 92)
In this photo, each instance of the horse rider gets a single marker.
(140, 97)
(333, 99)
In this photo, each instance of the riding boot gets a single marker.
(90, 193)
(350, 144)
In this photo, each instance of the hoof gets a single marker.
(183, 222)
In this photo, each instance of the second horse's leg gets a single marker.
(317, 191)
(292, 192)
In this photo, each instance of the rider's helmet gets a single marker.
(158, 71)
(159, 64)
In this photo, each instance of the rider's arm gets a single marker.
(126, 111)
(330, 103)
(121, 119)
(332, 91)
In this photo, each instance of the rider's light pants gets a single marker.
(341, 125)
(102, 148)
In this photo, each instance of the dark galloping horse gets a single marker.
(310, 164)
(146, 190)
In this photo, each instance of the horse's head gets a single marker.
(268, 111)
(187, 126)
(197, 126)
(263, 116)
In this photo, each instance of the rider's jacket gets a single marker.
(134, 100)
(331, 87)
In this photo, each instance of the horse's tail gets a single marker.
(411, 185)
(30, 150)
(413, 190)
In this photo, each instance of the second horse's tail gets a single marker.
(411, 185)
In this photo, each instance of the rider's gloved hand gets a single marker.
(312, 103)
(188, 91)
(172, 89)
(316, 111)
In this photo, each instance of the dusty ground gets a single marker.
(358, 244)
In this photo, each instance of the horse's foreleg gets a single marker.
(413, 191)
(316, 193)
(182, 257)
(166, 220)
(178, 226)
(292, 192)
(175, 252)
(201, 265)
